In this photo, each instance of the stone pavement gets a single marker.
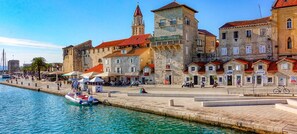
(260, 119)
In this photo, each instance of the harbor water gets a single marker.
(26, 111)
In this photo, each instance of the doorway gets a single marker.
(195, 80)
(238, 80)
(211, 80)
(169, 78)
(282, 81)
(229, 80)
(259, 80)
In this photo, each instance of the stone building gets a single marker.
(73, 59)
(174, 41)
(249, 40)
(284, 28)
(13, 66)
(127, 63)
(55, 67)
(206, 46)
(286, 72)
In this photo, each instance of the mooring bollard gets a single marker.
(171, 102)
(108, 94)
(47, 86)
(35, 84)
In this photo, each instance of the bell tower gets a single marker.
(138, 23)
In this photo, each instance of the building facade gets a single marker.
(285, 28)
(73, 59)
(13, 66)
(249, 40)
(206, 46)
(173, 42)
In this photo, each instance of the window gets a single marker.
(124, 51)
(133, 69)
(262, 49)
(289, 43)
(220, 79)
(118, 70)
(193, 69)
(146, 70)
(187, 21)
(187, 50)
(238, 68)
(235, 50)
(289, 24)
(235, 34)
(262, 32)
(248, 49)
(100, 60)
(210, 68)
(260, 67)
(285, 66)
(173, 21)
(118, 61)
(162, 23)
(106, 62)
(223, 36)
(131, 60)
(248, 79)
(269, 80)
(230, 68)
(224, 51)
(249, 33)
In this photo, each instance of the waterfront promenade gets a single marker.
(258, 118)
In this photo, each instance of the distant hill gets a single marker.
(1, 68)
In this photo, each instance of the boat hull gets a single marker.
(81, 101)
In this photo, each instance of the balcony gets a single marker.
(166, 40)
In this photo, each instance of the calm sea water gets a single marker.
(25, 111)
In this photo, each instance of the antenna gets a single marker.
(260, 10)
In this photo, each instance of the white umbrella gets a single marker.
(74, 73)
(83, 80)
(96, 79)
(88, 75)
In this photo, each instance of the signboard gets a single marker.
(260, 72)
(229, 72)
(293, 79)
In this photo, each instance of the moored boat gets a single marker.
(5, 76)
(79, 98)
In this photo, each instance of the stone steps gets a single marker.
(242, 102)
(178, 95)
(290, 107)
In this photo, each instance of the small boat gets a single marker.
(79, 98)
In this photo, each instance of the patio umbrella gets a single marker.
(88, 75)
(83, 80)
(96, 79)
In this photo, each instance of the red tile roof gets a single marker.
(136, 39)
(151, 65)
(250, 68)
(202, 31)
(110, 43)
(288, 60)
(272, 67)
(97, 69)
(284, 3)
(137, 11)
(134, 52)
(174, 5)
(215, 62)
(264, 61)
(246, 22)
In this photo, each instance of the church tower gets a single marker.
(138, 23)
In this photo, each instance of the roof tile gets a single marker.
(284, 3)
(173, 5)
(246, 22)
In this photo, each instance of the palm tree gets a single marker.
(38, 63)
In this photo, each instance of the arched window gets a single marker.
(289, 43)
(289, 23)
(100, 60)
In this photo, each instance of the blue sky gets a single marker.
(31, 28)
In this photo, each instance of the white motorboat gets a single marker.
(79, 98)
(5, 76)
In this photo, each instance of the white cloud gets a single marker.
(27, 43)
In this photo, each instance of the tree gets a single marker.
(38, 63)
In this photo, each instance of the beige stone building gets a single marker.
(73, 59)
(174, 41)
(128, 63)
(284, 28)
(195, 73)
(206, 46)
(286, 72)
(249, 40)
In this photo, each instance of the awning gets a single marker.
(107, 74)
